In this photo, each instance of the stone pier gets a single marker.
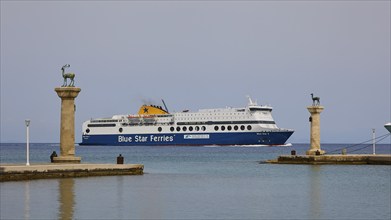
(315, 111)
(67, 128)
(16, 172)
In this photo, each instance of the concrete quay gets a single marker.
(16, 172)
(354, 159)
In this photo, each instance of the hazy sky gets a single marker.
(198, 54)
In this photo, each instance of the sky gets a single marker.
(197, 55)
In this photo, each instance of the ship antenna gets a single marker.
(250, 102)
(165, 106)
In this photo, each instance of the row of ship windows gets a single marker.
(105, 120)
(203, 128)
(198, 128)
(210, 118)
(209, 114)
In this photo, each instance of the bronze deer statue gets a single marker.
(71, 76)
(315, 100)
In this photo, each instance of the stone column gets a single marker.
(315, 130)
(67, 128)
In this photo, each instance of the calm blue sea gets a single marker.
(201, 183)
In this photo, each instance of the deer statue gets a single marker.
(71, 76)
(315, 100)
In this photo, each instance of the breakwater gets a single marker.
(16, 172)
(383, 159)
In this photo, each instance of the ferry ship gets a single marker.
(155, 125)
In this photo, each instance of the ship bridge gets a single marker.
(253, 106)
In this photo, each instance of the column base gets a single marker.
(66, 159)
(314, 152)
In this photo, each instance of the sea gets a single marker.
(210, 182)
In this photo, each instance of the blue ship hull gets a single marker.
(239, 138)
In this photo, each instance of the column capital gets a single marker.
(315, 109)
(67, 92)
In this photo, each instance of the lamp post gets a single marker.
(27, 121)
(373, 141)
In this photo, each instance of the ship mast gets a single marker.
(250, 101)
(165, 106)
